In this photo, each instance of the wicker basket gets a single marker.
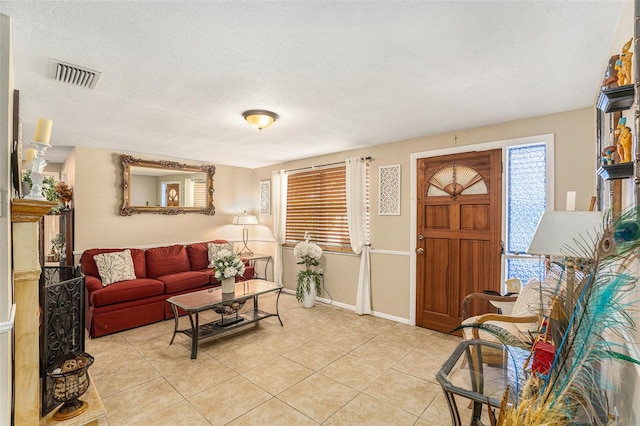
(70, 378)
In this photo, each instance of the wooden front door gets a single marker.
(458, 234)
(173, 195)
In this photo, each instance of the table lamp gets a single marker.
(562, 233)
(245, 220)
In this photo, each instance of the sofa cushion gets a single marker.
(174, 283)
(198, 254)
(125, 291)
(167, 260)
(198, 258)
(89, 264)
(211, 274)
(115, 267)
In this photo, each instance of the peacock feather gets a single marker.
(592, 311)
(587, 319)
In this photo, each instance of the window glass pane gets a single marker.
(524, 269)
(526, 194)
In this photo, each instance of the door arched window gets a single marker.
(456, 179)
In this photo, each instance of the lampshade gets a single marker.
(558, 231)
(260, 118)
(245, 219)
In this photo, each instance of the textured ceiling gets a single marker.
(177, 75)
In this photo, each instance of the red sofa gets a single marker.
(161, 272)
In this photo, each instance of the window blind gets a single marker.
(199, 193)
(317, 203)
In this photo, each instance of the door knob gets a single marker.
(420, 237)
(420, 250)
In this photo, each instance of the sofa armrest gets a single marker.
(92, 283)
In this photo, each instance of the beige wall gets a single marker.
(6, 288)
(98, 197)
(391, 238)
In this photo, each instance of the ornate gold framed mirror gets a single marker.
(166, 187)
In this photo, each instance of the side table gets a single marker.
(465, 374)
(252, 261)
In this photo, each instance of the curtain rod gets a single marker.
(323, 165)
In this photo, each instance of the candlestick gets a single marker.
(38, 163)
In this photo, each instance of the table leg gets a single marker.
(194, 336)
(266, 265)
(175, 318)
(453, 409)
(476, 414)
(277, 310)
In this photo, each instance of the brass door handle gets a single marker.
(420, 250)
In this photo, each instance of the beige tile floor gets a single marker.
(326, 366)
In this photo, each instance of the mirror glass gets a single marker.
(165, 187)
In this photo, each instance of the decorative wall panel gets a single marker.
(265, 197)
(389, 192)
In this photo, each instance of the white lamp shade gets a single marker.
(245, 220)
(558, 231)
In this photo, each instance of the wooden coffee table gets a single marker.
(228, 305)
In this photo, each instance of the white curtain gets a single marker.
(357, 215)
(279, 219)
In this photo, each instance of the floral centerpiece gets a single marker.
(227, 264)
(309, 254)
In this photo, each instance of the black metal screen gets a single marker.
(61, 321)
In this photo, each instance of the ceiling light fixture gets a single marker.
(260, 118)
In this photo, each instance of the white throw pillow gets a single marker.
(528, 301)
(115, 267)
(213, 249)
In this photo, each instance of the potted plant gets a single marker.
(227, 265)
(57, 248)
(308, 279)
(48, 189)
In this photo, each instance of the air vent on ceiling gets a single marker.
(74, 74)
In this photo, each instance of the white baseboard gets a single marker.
(353, 308)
